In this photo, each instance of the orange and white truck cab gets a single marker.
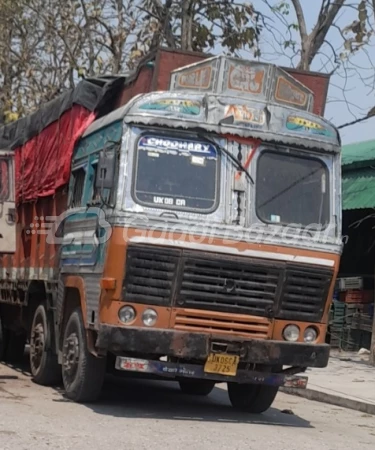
(201, 238)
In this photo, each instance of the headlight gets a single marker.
(126, 314)
(149, 317)
(310, 334)
(291, 333)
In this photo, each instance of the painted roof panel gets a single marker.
(358, 189)
(358, 152)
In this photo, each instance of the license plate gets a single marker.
(222, 364)
(132, 364)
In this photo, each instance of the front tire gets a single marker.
(83, 374)
(45, 369)
(251, 398)
(197, 387)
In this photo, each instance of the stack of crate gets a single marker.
(357, 296)
(351, 339)
(358, 304)
(337, 323)
(362, 326)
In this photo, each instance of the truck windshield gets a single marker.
(176, 173)
(292, 189)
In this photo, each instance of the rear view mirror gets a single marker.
(105, 177)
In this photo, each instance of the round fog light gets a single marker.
(310, 334)
(291, 333)
(149, 317)
(126, 314)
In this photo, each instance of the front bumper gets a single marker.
(168, 370)
(197, 346)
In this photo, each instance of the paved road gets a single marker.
(149, 415)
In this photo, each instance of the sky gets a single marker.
(359, 98)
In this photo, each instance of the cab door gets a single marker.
(7, 203)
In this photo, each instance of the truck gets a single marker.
(181, 222)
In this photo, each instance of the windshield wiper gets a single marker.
(229, 154)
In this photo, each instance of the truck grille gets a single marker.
(226, 286)
(150, 275)
(304, 295)
(197, 281)
(216, 322)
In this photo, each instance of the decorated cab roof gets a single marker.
(248, 79)
(230, 96)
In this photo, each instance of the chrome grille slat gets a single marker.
(212, 282)
(304, 294)
(255, 285)
(150, 275)
(215, 322)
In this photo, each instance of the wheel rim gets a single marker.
(71, 357)
(37, 345)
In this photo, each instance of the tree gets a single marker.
(353, 36)
(201, 25)
(327, 36)
(47, 45)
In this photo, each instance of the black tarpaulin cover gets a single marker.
(44, 141)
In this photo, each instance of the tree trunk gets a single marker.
(6, 72)
(305, 61)
(312, 43)
(186, 25)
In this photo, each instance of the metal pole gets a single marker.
(372, 355)
(372, 348)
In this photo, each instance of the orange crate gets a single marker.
(353, 296)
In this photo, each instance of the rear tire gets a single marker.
(197, 387)
(83, 374)
(45, 369)
(251, 398)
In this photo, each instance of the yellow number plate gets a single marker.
(222, 364)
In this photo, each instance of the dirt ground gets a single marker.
(139, 414)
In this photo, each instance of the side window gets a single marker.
(4, 180)
(78, 186)
(105, 195)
